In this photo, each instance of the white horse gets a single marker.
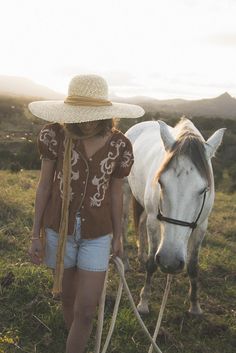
(173, 188)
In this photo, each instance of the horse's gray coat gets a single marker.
(172, 168)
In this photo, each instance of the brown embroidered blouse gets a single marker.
(90, 180)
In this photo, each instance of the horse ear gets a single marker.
(167, 138)
(214, 141)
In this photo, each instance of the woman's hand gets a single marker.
(117, 247)
(36, 251)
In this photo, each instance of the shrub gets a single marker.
(232, 175)
(28, 156)
(15, 167)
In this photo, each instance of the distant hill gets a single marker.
(19, 128)
(223, 106)
(16, 122)
(20, 86)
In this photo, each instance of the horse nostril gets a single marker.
(181, 265)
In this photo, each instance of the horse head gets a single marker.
(186, 191)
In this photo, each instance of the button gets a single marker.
(81, 193)
(82, 206)
(90, 159)
(83, 219)
(83, 182)
(86, 170)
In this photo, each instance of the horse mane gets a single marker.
(190, 144)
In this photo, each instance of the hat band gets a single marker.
(86, 101)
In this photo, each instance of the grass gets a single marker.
(31, 321)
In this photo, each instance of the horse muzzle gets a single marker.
(174, 266)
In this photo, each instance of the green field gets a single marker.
(31, 321)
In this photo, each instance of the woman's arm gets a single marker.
(43, 192)
(116, 214)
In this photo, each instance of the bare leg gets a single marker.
(89, 286)
(68, 295)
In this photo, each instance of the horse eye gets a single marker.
(206, 189)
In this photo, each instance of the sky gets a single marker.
(158, 48)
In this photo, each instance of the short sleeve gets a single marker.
(125, 161)
(48, 142)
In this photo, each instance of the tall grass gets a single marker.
(31, 321)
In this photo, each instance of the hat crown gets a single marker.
(92, 86)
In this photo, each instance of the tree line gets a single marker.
(26, 155)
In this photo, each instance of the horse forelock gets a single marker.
(186, 125)
(189, 143)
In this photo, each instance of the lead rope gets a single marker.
(122, 282)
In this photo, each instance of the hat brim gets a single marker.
(58, 111)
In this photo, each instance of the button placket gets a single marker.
(85, 182)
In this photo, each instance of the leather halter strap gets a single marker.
(192, 225)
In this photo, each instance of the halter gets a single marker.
(192, 225)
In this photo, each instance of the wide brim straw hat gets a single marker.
(87, 100)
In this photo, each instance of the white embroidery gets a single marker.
(47, 136)
(60, 177)
(74, 174)
(107, 166)
(74, 160)
(126, 162)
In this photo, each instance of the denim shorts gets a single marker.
(86, 254)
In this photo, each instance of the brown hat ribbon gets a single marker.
(86, 101)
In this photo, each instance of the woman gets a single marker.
(78, 203)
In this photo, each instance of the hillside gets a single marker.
(16, 121)
(223, 106)
(20, 86)
(19, 128)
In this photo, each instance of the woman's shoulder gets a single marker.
(125, 160)
(51, 131)
(119, 135)
(56, 127)
(49, 140)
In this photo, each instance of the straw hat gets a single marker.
(87, 101)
